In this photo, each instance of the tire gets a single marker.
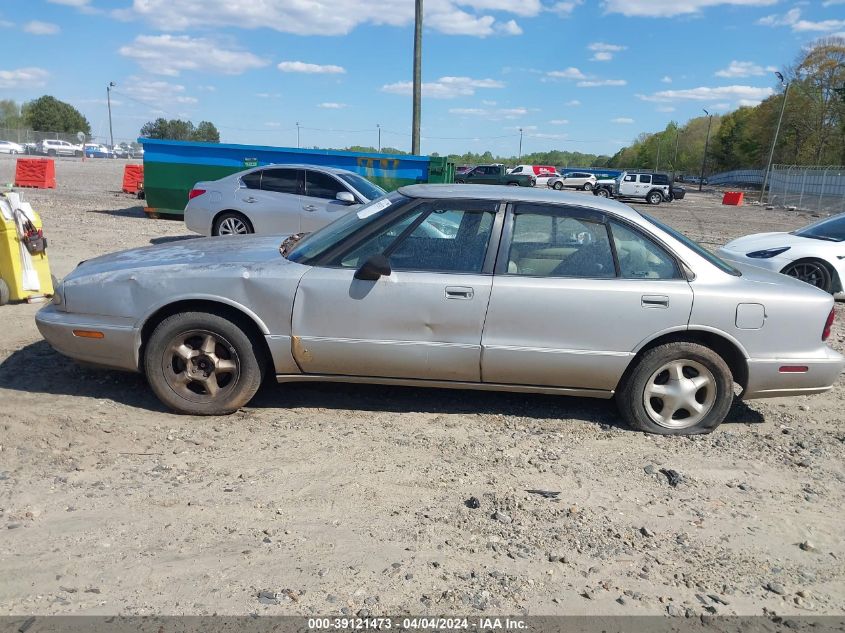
(644, 408)
(654, 197)
(232, 223)
(588, 186)
(460, 181)
(189, 355)
(558, 185)
(51, 152)
(812, 271)
(513, 184)
(5, 293)
(78, 154)
(601, 192)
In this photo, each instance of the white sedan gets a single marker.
(814, 253)
(8, 147)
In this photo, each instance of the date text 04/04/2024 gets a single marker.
(419, 624)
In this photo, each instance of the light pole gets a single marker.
(657, 161)
(108, 101)
(415, 124)
(675, 157)
(775, 139)
(378, 125)
(297, 134)
(706, 145)
(520, 144)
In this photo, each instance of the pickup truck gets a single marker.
(495, 175)
(654, 188)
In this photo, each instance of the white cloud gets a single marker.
(743, 69)
(597, 83)
(303, 67)
(703, 93)
(665, 109)
(604, 52)
(489, 114)
(331, 105)
(510, 28)
(444, 88)
(672, 8)
(792, 19)
(749, 102)
(36, 27)
(487, 102)
(29, 77)
(559, 121)
(155, 92)
(573, 103)
(328, 17)
(5, 24)
(568, 73)
(171, 54)
(666, 79)
(564, 9)
(622, 119)
(82, 5)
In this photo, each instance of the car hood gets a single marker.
(199, 252)
(759, 242)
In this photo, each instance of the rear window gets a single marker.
(694, 246)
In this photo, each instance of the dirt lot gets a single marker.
(351, 499)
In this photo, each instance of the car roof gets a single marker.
(330, 170)
(519, 194)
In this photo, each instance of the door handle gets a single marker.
(459, 292)
(654, 301)
(310, 207)
(250, 199)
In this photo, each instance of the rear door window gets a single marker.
(280, 181)
(645, 178)
(252, 180)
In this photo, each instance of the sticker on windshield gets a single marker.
(374, 208)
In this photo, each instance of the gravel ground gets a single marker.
(348, 499)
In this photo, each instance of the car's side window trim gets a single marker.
(683, 270)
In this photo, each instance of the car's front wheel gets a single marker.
(202, 364)
(232, 223)
(655, 197)
(558, 185)
(677, 389)
(602, 193)
(811, 271)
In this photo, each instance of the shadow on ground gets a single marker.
(128, 212)
(37, 368)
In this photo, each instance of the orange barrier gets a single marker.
(733, 198)
(35, 172)
(133, 178)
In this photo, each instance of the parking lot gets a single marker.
(352, 499)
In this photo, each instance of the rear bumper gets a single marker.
(118, 349)
(765, 380)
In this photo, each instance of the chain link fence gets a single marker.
(24, 136)
(817, 188)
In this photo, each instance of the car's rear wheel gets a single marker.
(558, 185)
(202, 364)
(513, 184)
(588, 186)
(677, 389)
(232, 223)
(811, 271)
(655, 197)
(51, 152)
(602, 193)
(460, 181)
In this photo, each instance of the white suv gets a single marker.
(54, 147)
(577, 179)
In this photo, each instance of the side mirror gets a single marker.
(345, 196)
(376, 266)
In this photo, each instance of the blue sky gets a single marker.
(584, 75)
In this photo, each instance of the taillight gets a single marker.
(195, 192)
(828, 325)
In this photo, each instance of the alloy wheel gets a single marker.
(233, 226)
(679, 394)
(812, 273)
(201, 366)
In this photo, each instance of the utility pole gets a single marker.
(415, 131)
(675, 158)
(657, 162)
(378, 125)
(297, 134)
(775, 139)
(706, 145)
(108, 100)
(520, 144)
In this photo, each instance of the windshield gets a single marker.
(363, 186)
(320, 241)
(829, 229)
(694, 246)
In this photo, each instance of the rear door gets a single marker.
(573, 296)
(273, 207)
(320, 205)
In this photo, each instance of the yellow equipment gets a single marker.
(24, 271)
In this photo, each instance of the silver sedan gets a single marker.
(468, 287)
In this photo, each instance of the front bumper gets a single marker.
(118, 349)
(765, 380)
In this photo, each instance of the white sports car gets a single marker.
(814, 253)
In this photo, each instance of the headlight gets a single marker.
(768, 253)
